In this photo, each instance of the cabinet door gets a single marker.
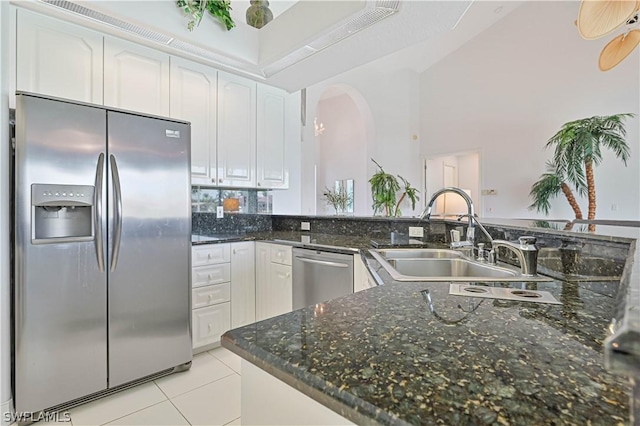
(243, 284)
(280, 299)
(236, 131)
(136, 78)
(58, 59)
(210, 323)
(263, 266)
(193, 98)
(270, 146)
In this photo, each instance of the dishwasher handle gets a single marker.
(322, 262)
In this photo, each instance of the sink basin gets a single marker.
(420, 254)
(452, 268)
(444, 265)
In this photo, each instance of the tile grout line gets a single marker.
(237, 372)
(203, 385)
(133, 412)
(174, 405)
(233, 420)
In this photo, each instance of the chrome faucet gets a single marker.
(426, 213)
(526, 251)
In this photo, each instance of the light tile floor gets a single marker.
(207, 394)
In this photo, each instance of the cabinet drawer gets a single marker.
(281, 254)
(210, 295)
(208, 275)
(210, 254)
(210, 323)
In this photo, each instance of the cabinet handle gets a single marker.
(234, 251)
(259, 184)
(209, 256)
(210, 297)
(213, 180)
(209, 276)
(221, 180)
(210, 326)
(287, 275)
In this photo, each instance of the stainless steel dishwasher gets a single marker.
(319, 276)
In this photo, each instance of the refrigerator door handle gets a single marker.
(97, 212)
(117, 216)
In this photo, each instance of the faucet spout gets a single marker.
(526, 251)
(426, 213)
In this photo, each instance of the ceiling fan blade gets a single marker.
(598, 18)
(618, 49)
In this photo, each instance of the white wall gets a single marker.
(5, 299)
(511, 88)
(389, 104)
(288, 201)
(342, 152)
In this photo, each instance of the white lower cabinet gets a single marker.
(243, 284)
(210, 294)
(210, 323)
(274, 282)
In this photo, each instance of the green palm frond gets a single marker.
(545, 189)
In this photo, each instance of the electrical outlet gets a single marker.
(219, 212)
(416, 231)
(305, 226)
(489, 192)
(614, 207)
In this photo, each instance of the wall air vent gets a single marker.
(371, 15)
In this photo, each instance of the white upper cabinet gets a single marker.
(271, 112)
(194, 98)
(236, 131)
(58, 59)
(136, 78)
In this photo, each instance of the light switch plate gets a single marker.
(219, 212)
(305, 226)
(416, 231)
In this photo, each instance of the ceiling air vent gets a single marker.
(371, 15)
(110, 20)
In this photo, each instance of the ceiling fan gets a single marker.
(598, 18)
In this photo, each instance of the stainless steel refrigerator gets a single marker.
(102, 249)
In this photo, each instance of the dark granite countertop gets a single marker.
(381, 356)
(313, 240)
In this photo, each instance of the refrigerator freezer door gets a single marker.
(60, 298)
(150, 243)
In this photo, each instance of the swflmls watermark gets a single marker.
(29, 417)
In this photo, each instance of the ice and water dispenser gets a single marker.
(61, 213)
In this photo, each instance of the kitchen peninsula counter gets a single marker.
(382, 356)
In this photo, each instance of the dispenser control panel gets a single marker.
(50, 195)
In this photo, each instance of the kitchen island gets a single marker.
(382, 356)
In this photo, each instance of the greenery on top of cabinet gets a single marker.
(194, 10)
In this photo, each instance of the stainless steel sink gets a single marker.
(448, 268)
(444, 265)
(419, 254)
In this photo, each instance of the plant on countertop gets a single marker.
(339, 199)
(194, 10)
(384, 187)
(578, 148)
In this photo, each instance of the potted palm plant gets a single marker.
(384, 188)
(578, 149)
